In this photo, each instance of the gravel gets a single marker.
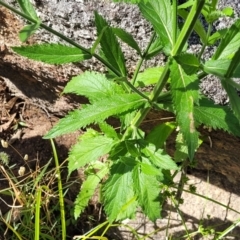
(75, 19)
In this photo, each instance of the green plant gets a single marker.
(136, 170)
(32, 213)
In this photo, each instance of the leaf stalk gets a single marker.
(188, 26)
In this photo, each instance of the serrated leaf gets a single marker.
(52, 53)
(231, 48)
(119, 198)
(216, 116)
(132, 148)
(96, 113)
(88, 149)
(88, 189)
(158, 157)
(119, 149)
(127, 38)
(181, 153)
(149, 169)
(188, 62)
(229, 43)
(160, 133)
(126, 119)
(28, 9)
(159, 13)
(149, 76)
(98, 40)
(92, 85)
(27, 31)
(233, 96)
(147, 189)
(220, 68)
(110, 46)
(185, 93)
(108, 130)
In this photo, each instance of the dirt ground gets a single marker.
(30, 95)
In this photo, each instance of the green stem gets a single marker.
(130, 86)
(188, 26)
(176, 204)
(182, 181)
(62, 37)
(37, 213)
(174, 22)
(205, 44)
(142, 59)
(229, 229)
(60, 191)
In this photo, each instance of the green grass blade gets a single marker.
(37, 213)
(60, 191)
(41, 175)
(12, 229)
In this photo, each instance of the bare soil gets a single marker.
(30, 94)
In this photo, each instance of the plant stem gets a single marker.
(174, 27)
(182, 181)
(188, 26)
(205, 44)
(130, 86)
(176, 204)
(229, 229)
(37, 213)
(60, 192)
(142, 59)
